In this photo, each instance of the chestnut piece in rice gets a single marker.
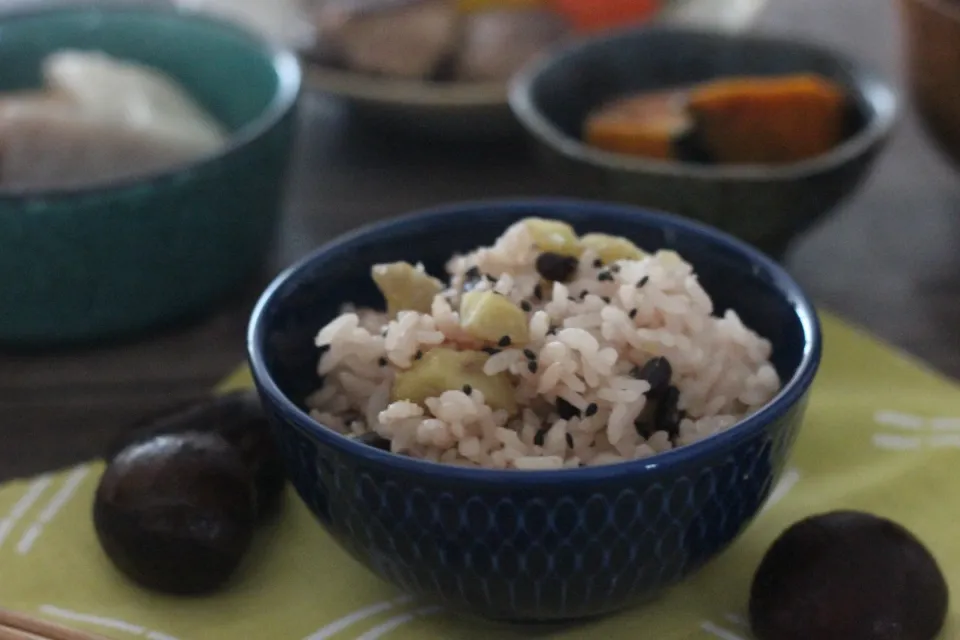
(617, 356)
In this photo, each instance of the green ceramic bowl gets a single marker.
(110, 260)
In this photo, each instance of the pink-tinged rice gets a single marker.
(720, 367)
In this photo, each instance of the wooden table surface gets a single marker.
(889, 259)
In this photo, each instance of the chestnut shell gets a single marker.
(176, 513)
(237, 416)
(848, 575)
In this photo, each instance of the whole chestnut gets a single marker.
(237, 416)
(176, 513)
(848, 575)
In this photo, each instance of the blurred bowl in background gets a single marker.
(101, 261)
(462, 110)
(932, 38)
(767, 206)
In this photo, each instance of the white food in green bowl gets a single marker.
(96, 118)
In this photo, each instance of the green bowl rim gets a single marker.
(868, 85)
(284, 62)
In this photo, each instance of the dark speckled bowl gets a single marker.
(111, 259)
(530, 545)
(766, 206)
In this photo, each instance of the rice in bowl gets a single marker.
(544, 351)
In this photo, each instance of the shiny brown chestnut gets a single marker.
(848, 575)
(237, 416)
(176, 513)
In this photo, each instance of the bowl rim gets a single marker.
(869, 85)
(397, 91)
(285, 66)
(791, 392)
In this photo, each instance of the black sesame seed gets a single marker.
(658, 372)
(540, 437)
(492, 351)
(605, 276)
(467, 389)
(606, 299)
(583, 294)
(504, 341)
(571, 299)
(643, 282)
(490, 277)
(532, 366)
(668, 414)
(382, 362)
(570, 441)
(556, 267)
(472, 273)
(632, 314)
(418, 355)
(526, 306)
(566, 410)
(538, 292)
(644, 429)
(529, 354)
(615, 268)
(591, 409)
(598, 263)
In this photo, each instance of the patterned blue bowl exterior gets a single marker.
(531, 546)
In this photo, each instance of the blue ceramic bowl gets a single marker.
(120, 257)
(768, 206)
(530, 545)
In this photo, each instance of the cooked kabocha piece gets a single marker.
(768, 120)
(648, 125)
(741, 120)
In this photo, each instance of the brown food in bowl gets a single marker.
(768, 120)
(432, 39)
(496, 43)
(399, 38)
(740, 120)
(647, 125)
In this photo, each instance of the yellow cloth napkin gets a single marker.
(882, 434)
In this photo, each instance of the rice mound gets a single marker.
(581, 400)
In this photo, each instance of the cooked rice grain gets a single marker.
(587, 339)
